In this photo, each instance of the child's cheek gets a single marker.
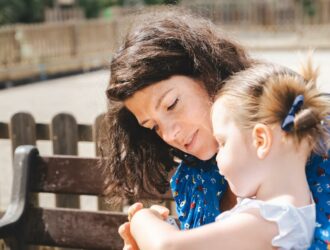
(223, 166)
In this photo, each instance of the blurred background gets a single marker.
(54, 56)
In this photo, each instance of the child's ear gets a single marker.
(262, 139)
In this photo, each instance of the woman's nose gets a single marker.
(171, 134)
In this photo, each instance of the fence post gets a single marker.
(64, 135)
(22, 131)
(74, 39)
(96, 132)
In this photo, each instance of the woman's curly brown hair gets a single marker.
(173, 42)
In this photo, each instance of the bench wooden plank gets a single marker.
(74, 228)
(72, 175)
(66, 174)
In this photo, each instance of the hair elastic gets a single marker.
(288, 123)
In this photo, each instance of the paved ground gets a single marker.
(83, 96)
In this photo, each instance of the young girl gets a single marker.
(267, 120)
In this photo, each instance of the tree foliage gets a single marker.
(28, 11)
(22, 11)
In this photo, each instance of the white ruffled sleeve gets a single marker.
(295, 225)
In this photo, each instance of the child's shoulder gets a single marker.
(285, 216)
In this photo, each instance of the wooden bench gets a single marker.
(25, 223)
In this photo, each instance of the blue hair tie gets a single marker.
(288, 123)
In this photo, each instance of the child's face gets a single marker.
(236, 156)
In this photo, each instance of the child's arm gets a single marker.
(148, 227)
(125, 233)
(246, 230)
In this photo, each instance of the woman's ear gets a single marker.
(262, 139)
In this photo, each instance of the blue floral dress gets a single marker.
(197, 191)
(318, 176)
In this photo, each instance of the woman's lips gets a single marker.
(192, 141)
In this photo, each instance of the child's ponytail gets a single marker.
(313, 119)
(273, 94)
(306, 119)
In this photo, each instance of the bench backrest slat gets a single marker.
(67, 174)
(74, 228)
(72, 175)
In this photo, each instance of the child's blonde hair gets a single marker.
(265, 94)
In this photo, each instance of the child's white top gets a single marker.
(295, 224)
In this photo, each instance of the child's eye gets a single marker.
(172, 106)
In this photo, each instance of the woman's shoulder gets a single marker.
(318, 176)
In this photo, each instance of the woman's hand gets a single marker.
(125, 231)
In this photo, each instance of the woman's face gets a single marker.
(178, 109)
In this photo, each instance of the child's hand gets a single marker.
(133, 209)
(162, 211)
(125, 233)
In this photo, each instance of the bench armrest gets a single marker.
(23, 157)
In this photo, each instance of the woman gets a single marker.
(251, 115)
(163, 80)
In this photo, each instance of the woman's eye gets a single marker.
(172, 106)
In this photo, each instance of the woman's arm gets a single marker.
(246, 230)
